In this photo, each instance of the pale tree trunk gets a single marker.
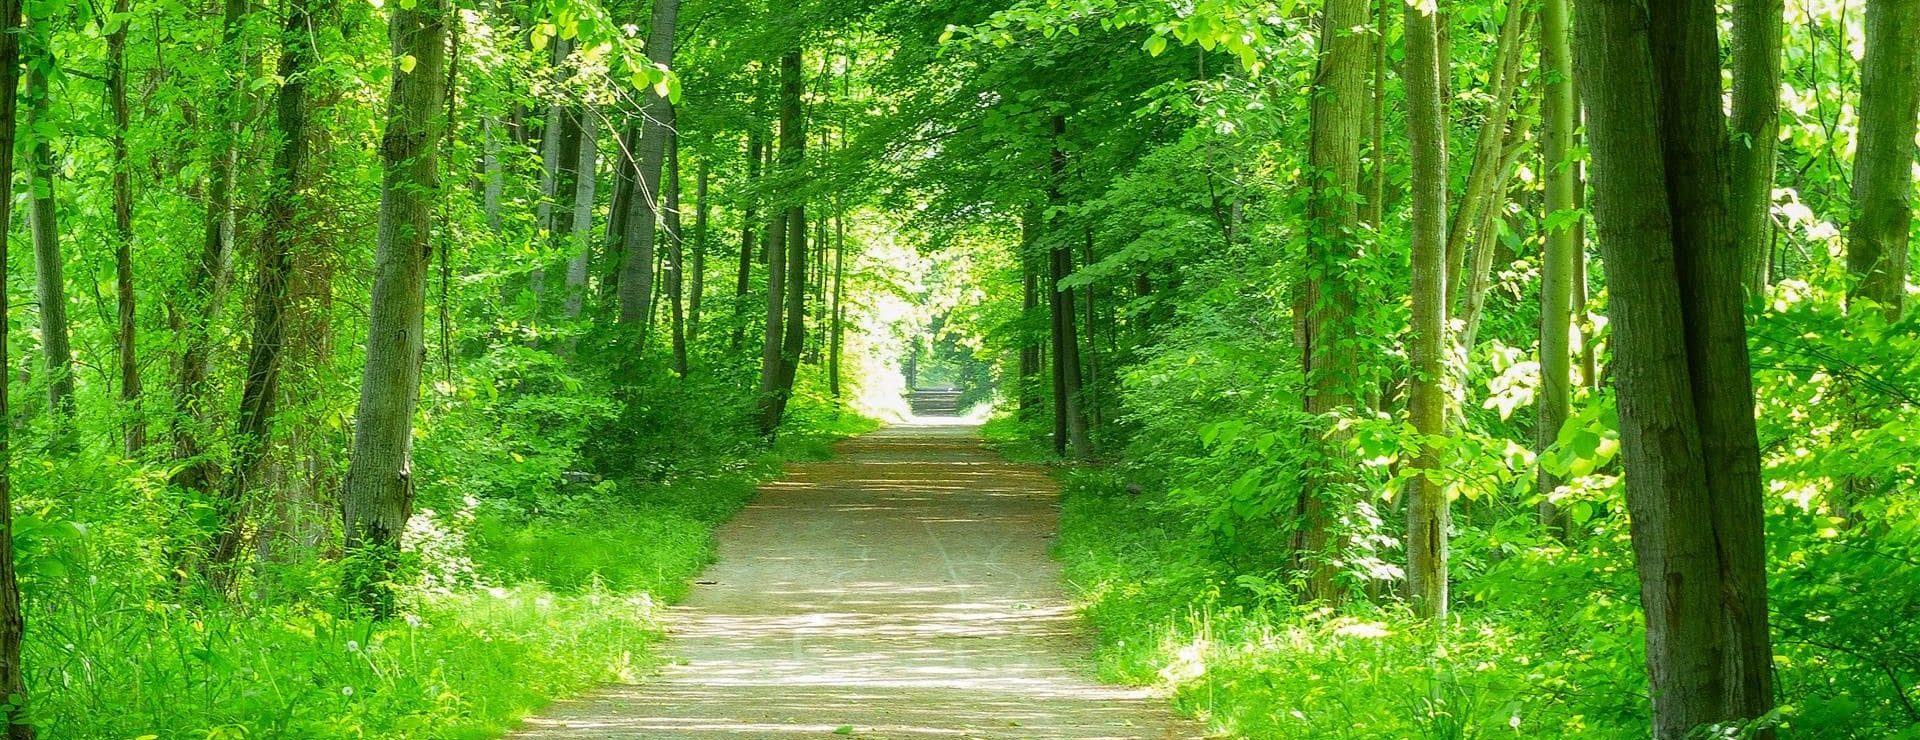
(553, 167)
(676, 257)
(1651, 84)
(496, 179)
(135, 436)
(698, 289)
(1428, 515)
(782, 355)
(204, 297)
(1756, 129)
(1558, 112)
(286, 223)
(585, 181)
(50, 283)
(12, 620)
(1484, 179)
(1878, 238)
(656, 118)
(1324, 301)
(1070, 419)
(378, 493)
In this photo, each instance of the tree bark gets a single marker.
(1324, 301)
(135, 430)
(287, 222)
(1070, 419)
(50, 284)
(698, 288)
(1558, 112)
(12, 618)
(1484, 178)
(792, 220)
(1878, 238)
(1029, 306)
(656, 117)
(1651, 83)
(585, 182)
(839, 304)
(1756, 130)
(379, 485)
(1428, 515)
(749, 228)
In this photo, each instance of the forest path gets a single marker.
(901, 589)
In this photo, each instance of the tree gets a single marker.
(786, 246)
(1069, 417)
(1557, 267)
(676, 257)
(135, 435)
(378, 493)
(642, 210)
(1878, 239)
(1651, 85)
(1428, 514)
(288, 223)
(1756, 130)
(43, 219)
(582, 230)
(12, 618)
(1324, 301)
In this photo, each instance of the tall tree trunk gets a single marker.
(749, 228)
(50, 283)
(792, 219)
(287, 222)
(1324, 301)
(135, 433)
(1878, 238)
(1428, 515)
(839, 303)
(1029, 308)
(553, 138)
(656, 117)
(698, 288)
(1484, 179)
(1070, 420)
(585, 181)
(12, 619)
(496, 180)
(378, 493)
(1558, 112)
(1756, 127)
(676, 257)
(204, 299)
(1651, 84)
(774, 242)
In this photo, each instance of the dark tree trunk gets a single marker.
(676, 257)
(749, 229)
(1070, 420)
(1651, 83)
(50, 282)
(698, 288)
(378, 494)
(1756, 129)
(839, 305)
(135, 433)
(792, 220)
(12, 619)
(1878, 239)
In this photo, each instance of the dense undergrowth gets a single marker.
(1178, 547)
(529, 579)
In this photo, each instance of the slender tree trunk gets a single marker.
(1878, 238)
(749, 228)
(698, 288)
(552, 163)
(676, 257)
(1428, 515)
(1651, 84)
(1484, 181)
(1757, 26)
(1029, 308)
(135, 436)
(496, 179)
(1324, 300)
(770, 357)
(1070, 420)
(582, 232)
(792, 219)
(839, 304)
(50, 283)
(12, 618)
(286, 224)
(1559, 110)
(379, 485)
(204, 299)
(656, 117)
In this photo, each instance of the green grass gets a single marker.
(522, 608)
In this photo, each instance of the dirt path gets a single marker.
(902, 590)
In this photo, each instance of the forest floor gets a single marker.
(901, 589)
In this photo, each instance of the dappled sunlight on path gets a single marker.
(902, 590)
